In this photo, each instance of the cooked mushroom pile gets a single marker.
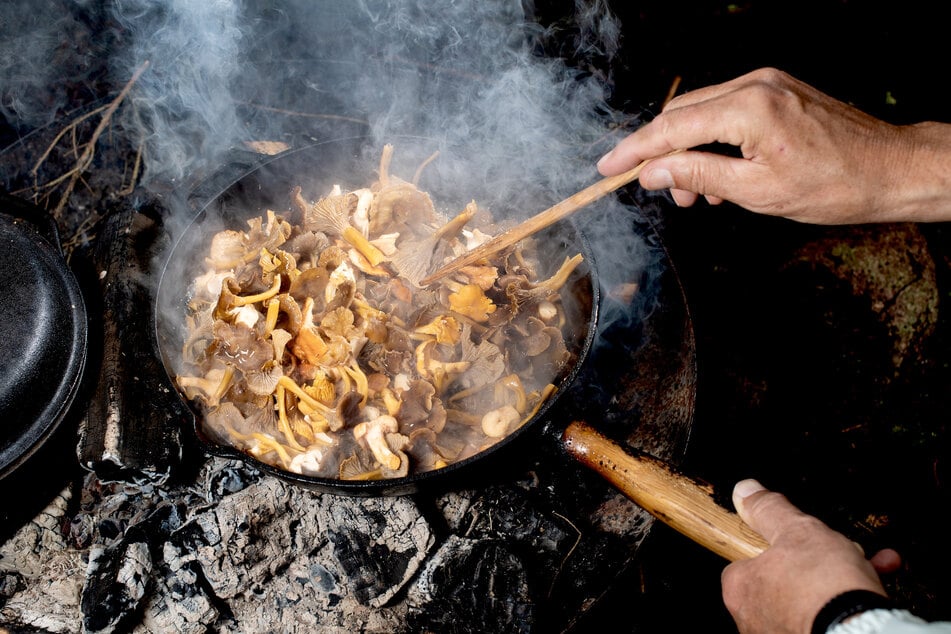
(311, 346)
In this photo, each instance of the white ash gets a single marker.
(49, 576)
(248, 554)
(233, 550)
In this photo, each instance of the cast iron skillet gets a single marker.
(350, 163)
(43, 332)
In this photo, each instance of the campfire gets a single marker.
(142, 528)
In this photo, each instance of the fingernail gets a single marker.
(746, 488)
(604, 158)
(657, 179)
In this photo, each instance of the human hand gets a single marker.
(806, 565)
(805, 156)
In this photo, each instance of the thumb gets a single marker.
(741, 491)
(767, 512)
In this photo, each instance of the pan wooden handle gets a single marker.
(674, 498)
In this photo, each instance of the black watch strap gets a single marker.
(847, 604)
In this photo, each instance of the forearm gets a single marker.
(918, 188)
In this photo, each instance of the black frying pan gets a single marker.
(317, 168)
(660, 392)
(43, 332)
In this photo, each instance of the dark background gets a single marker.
(796, 385)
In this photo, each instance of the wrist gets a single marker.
(848, 604)
(918, 187)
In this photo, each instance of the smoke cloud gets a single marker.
(517, 129)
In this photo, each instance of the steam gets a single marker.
(516, 130)
(35, 58)
(183, 108)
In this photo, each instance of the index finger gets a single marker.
(716, 120)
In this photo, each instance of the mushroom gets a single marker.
(417, 401)
(279, 340)
(481, 275)
(227, 250)
(497, 422)
(474, 238)
(210, 388)
(360, 379)
(413, 257)
(340, 321)
(266, 235)
(309, 345)
(241, 346)
(547, 311)
(332, 257)
(306, 247)
(341, 286)
(373, 433)
(486, 358)
(331, 215)
(386, 243)
(397, 202)
(308, 462)
(544, 344)
(246, 316)
(364, 265)
(513, 384)
(208, 286)
(539, 337)
(263, 381)
(430, 366)
(444, 328)
(229, 299)
(283, 424)
(361, 212)
(471, 301)
(402, 469)
(523, 292)
(310, 283)
(333, 417)
(421, 447)
(259, 445)
(277, 263)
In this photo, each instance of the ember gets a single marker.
(313, 348)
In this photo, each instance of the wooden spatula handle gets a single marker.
(672, 497)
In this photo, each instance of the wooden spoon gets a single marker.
(679, 501)
(550, 216)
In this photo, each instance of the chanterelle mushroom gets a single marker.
(373, 434)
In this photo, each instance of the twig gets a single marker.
(85, 159)
(135, 173)
(569, 553)
(70, 128)
(422, 166)
(75, 240)
(672, 92)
